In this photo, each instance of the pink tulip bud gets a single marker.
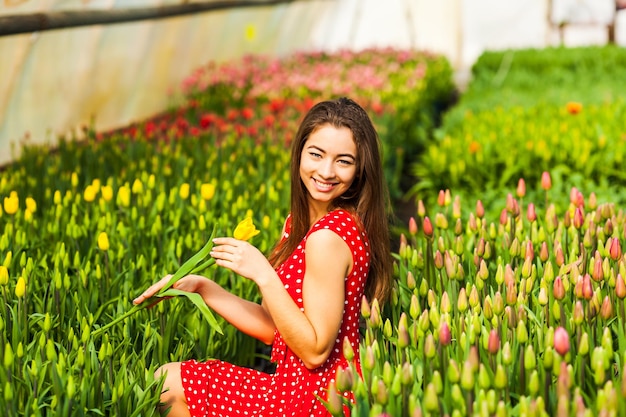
(480, 209)
(561, 341)
(412, 226)
(587, 288)
(606, 310)
(521, 188)
(598, 271)
(503, 217)
(579, 218)
(558, 289)
(576, 197)
(493, 344)
(615, 250)
(531, 214)
(428, 227)
(441, 198)
(546, 181)
(445, 337)
(559, 256)
(620, 287)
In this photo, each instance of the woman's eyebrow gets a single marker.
(341, 155)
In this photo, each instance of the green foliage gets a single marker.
(525, 112)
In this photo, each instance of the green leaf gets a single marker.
(200, 304)
(191, 263)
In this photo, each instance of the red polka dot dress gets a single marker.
(218, 388)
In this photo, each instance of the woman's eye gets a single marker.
(315, 155)
(345, 162)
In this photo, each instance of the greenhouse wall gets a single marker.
(59, 82)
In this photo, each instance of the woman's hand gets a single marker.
(242, 258)
(190, 283)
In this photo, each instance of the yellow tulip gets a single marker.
(31, 204)
(107, 192)
(103, 241)
(245, 230)
(28, 215)
(11, 203)
(123, 196)
(74, 179)
(90, 193)
(207, 191)
(20, 287)
(137, 186)
(4, 275)
(183, 192)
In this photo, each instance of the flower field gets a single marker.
(509, 302)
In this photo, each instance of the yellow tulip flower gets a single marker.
(183, 191)
(90, 193)
(207, 191)
(31, 204)
(4, 275)
(20, 287)
(11, 203)
(107, 192)
(245, 230)
(103, 241)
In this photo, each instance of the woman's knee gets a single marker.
(173, 385)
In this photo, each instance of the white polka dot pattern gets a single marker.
(217, 388)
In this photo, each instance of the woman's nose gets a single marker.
(327, 169)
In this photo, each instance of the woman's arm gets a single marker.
(247, 316)
(310, 334)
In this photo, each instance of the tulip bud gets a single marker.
(558, 289)
(429, 346)
(500, 379)
(453, 371)
(462, 303)
(441, 221)
(615, 249)
(445, 337)
(427, 227)
(403, 334)
(365, 308)
(344, 379)
(484, 380)
(412, 226)
(421, 209)
(382, 395)
(578, 315)
(20, 287)
(507, 356)
(348, 350)
(370, 358)
(530, 359)
(561, 341)
(531, 213)
(493, 344)
(579, 218)
(521, 188)
(431, 399)
(467, 376)
(335, 403)
(606, 310)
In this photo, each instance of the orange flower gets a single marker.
(574, 107)
(474, 147)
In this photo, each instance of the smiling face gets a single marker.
(327, 166)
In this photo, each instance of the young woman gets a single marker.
(334, 249)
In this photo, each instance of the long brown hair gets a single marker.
(367, 196)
